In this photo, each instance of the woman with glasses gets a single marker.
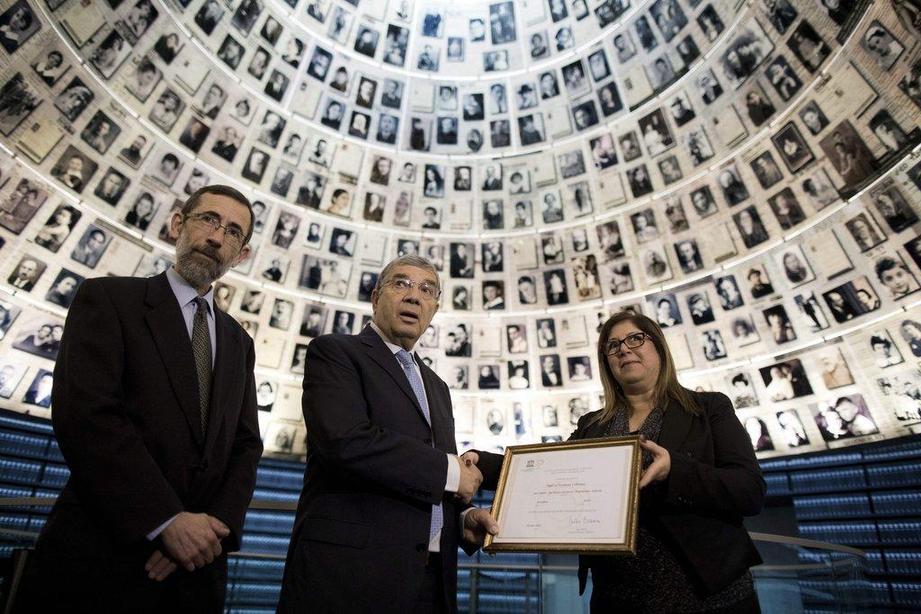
(700, 477)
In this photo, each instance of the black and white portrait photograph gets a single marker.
(645, 227)
(843, 417)
(792, 147)
(727, 290)
(892, 207)
(655, 264)
(10, 376)
(666, 311)
(255, 165)
(808, 47)
(39, 391)
(791, 428)
(813, 117)
(784, 79)
(881, 45)
(109, 53)
(74, 169)
(639, 180)
(697, 145)
(20, 206)
(851, 299)
(17, 25)
(142, 211)
(820, 190)
(91, 247)
(751, 228)
(63, 288)
(811, 312)
(112, 186)
(100, 132)
(708, 86)
(786, 209)
(865, 231)
(657, 136)
(689, 257)
(167, 109)
(744, 53)
(502, 23)
(71, 102)
(890, 134)
(40, 335)
(50, 66)
(670, 170)
(712, 343)
(766, 170)
(281, 314)
(703, 202)
(700, 308)
(227, 143)
(58, 227)
(231, 51)
(742, 390)
(661, 73)
(733, 188)
(785, 380)
(795, 266)
(17, 101)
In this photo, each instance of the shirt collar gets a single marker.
(393, 347)
(184, 291)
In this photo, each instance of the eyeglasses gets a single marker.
(430, 291)
(232, 233)
(632, 341)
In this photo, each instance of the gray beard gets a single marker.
(197, 272)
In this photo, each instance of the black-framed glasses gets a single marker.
(403, 285)
(211, 222)
(632, 341)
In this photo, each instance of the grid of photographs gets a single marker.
(678, 166)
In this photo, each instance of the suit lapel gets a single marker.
(228, 349)
(675, 426)
(381, 354)
(169, 333)
(440, 412)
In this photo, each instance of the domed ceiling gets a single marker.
(745, 173)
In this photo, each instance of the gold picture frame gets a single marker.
(558, 497)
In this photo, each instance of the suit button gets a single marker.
(690, 454)
(422, 547)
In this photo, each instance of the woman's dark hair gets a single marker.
(667, 387)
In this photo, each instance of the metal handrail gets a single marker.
(290, 506)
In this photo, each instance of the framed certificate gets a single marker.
(578, 496)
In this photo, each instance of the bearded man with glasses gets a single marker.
(385, 498)
(154, 408)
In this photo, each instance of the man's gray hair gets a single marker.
(408, 260)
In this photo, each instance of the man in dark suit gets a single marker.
(26, 274)
(377, 526)
(155, 414)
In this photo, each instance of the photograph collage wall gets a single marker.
(747, 174)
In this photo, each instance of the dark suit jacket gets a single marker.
(714, 481)
(126, 416)
(361, 532)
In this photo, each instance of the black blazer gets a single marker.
(126, 417)
(714, 481)
(360, 538)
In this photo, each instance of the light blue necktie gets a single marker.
(409, 368)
